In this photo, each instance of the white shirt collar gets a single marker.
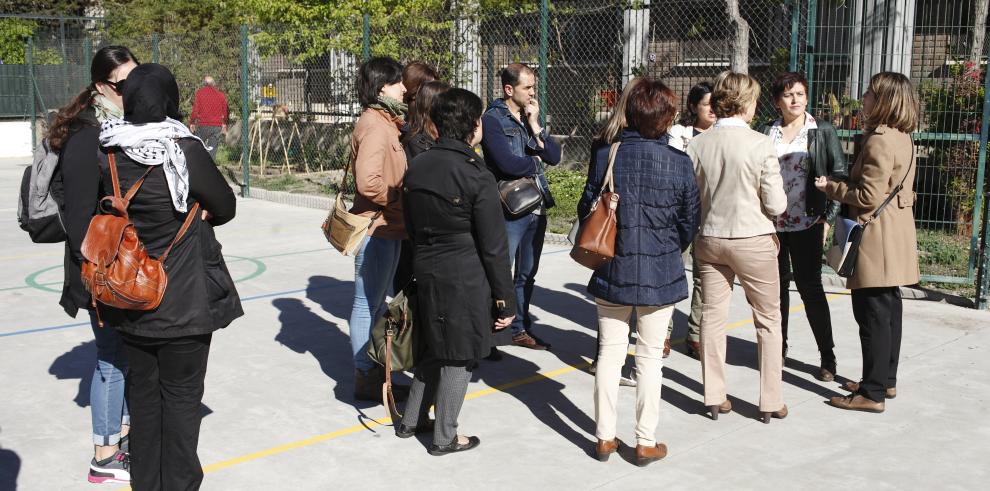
(733, 121)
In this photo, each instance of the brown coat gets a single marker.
(888, 254)
(379, 162)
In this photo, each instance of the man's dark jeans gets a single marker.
(212, 137)
(526, 236)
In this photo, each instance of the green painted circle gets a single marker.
(32, 279)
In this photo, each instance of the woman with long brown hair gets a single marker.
(421, 132)
(75, 135)
(880, 192)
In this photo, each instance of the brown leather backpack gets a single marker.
(116, 269)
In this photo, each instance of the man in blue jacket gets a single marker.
(515, 146)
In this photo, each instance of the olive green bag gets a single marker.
(394, 342)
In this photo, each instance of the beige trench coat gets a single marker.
(888, 254)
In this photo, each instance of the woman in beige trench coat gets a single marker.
(888, 255)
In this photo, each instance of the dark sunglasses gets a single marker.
(117, 86)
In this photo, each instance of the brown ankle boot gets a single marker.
(368, 385)
(606, 448)
(647, 455)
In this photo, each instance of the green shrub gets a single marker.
(566, 186)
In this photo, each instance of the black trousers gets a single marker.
(878, 311)
(165, 391)
(800, 259)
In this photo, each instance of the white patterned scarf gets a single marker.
(154, 144)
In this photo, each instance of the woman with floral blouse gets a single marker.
(807, 148)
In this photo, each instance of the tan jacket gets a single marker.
(738, 180)
(888, 254)
(379, 163)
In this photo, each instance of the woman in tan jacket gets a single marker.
(741, 191)
(888, 253)
(379, 163)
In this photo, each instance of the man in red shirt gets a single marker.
(209, 115)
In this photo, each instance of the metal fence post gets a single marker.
(154, 47)
(795, 27)
(366, 37)
(809, 56)
(544, 41)
(67, 89)
(245, 116)
(29, 63)
(982, 280)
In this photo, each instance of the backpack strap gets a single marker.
(116, 180)
(193, 213)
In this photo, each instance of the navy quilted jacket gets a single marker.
(657, 219)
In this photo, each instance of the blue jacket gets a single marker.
(657, 220)
(511, 150)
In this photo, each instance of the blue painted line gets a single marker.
(245, 299)
(43, 329)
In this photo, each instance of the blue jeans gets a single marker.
(106, 392)
(374, 268)
(526, 236)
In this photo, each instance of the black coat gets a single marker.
(454, 218)
(200, 297)
(416, 144)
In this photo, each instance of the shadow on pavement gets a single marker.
(303, 331)
(10, 467)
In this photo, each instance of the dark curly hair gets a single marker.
(456, 113)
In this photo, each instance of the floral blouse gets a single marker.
(794, 171)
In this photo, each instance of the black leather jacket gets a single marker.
(826, 158)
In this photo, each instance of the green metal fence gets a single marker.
(291, 90)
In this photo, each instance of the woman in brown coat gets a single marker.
(888, 253)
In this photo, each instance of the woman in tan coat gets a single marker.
(888, 253)
(741, 191)
(379, 162)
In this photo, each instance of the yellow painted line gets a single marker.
(372, 423)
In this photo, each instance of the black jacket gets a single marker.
(200, 296)
(454, 218)
(416, 144)
(827, 159)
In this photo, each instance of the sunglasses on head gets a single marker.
(117, 86)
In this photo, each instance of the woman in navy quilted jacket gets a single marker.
(657, 219)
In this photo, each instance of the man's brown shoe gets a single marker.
(527, 341)
(647, 455)
(825, 375)
(854, 387)
(693, 349)
(606, 448)
(856, 402)
(666, 347)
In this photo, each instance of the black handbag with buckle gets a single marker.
(520, 196)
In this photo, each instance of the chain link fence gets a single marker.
(294, 86)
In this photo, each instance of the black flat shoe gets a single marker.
(403, 431)
(438, 450)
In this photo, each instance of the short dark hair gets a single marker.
(786, 81)
(456, 113)
(510, 74)
(375, 74)
(651, 108)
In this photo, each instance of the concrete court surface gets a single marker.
(279, 415)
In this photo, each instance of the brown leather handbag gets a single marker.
(595, 244)
(116, 269)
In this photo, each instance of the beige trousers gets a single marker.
(754, 261)
(613, 341)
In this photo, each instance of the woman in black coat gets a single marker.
(464, 285)
(168, 347)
